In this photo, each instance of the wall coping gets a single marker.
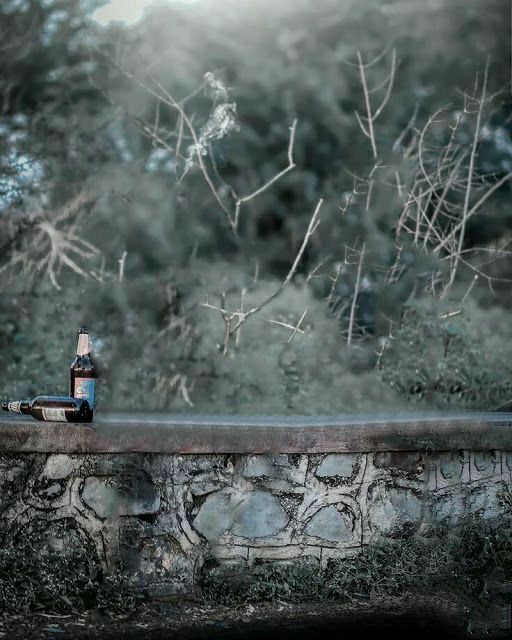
(199, 434)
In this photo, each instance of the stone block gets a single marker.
(59, 466)
(452, 468)
(108, 498)
(205, 483)
(277, 467)
(188, 467)
(344, 465)
(449, 506)
(159, 565)
(507, 460)
(408, 461)
(488, 500)
(253, 514)
(484, 464)
(287, 552)
(393, 509)
(333, 523)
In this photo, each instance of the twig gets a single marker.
(269, 183)
(237, 332)
(122, 262)
(474, 209)
(469, 182)
(312, 273)
(385, 343)
(162, 95)
(53, 243)
(442, 199)
(469, 289)
(356, 294)
(233, 320)
(395, 268)
(295, 329)
(450, 314)
(421, 142)
(407, 127)
(334, 280)
(313, 224)
(371, 116)
(169, 100)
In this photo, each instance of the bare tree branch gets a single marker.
(233, 320)
(269, 183)
(357, 287)
(371, 115)
(469, 182)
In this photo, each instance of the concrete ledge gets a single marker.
(162, 433)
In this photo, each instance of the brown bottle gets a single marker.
(52, 409)
(82, 375)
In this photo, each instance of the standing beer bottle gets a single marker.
(82, 375)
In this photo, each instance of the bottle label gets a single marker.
(54, 414)
(84, 388)
(14, 406)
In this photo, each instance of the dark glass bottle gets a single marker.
(52, 408)
(82, 375)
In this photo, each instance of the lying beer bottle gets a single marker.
(82, 375)
(52, 408)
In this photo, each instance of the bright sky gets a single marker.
(126, 11)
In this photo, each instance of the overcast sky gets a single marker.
(126, 11)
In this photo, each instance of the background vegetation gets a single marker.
(131, 165)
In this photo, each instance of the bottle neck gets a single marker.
(83, 348)
(18, 406)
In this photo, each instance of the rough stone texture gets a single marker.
(163, 515)
(331, 523)
(109, 499)
(337, 464)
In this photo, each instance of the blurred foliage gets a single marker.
(51, 114)
(78, 116)
(439, 358)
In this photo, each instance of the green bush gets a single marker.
(50, 567)
(472, 559)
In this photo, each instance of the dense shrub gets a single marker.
(472, 559)
(50, 567)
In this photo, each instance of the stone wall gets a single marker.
(162, 515)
